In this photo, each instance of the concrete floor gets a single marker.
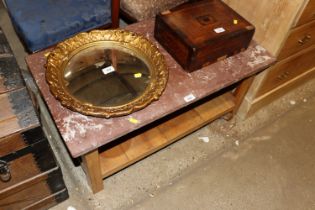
(264, 162)
(272, 169)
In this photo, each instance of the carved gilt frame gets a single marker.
(60, 56)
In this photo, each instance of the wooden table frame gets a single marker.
(219, 90)
(101, 164)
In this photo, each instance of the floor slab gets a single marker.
(272, 169)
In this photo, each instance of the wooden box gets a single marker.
(30, 177)
(35, 180)
(199, 33)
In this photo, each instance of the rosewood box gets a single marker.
(199, 33)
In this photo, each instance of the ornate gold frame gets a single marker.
(59, 57)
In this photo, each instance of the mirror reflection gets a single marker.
(106, 76)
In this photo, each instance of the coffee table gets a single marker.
(190, 101)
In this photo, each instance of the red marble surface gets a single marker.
(84, 133)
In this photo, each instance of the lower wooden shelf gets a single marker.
(163, 134)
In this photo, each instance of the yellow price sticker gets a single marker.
(133, 120)
(235, 22)
(46, 54)
(138, 75)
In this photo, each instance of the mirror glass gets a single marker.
(106, 76)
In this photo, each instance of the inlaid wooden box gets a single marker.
(30, 177)
(199, 33)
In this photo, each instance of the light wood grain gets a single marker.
(130, 151)
(118, 159)
(272, 19)
(219, 106)
(281, 90)
(153, 139)
(91, 165)
(299, 39)
(240, 93)
(288, 69)
(275, 23)
(181, 125)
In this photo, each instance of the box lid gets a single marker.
(200, 22)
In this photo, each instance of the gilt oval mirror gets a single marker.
(106, 73)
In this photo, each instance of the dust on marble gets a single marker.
(256, 57)
(77, 125)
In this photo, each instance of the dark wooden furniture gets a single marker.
(115, 14)
(190, 101)
(199, 33)
(29, 175)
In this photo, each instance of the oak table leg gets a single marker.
(241, 91)
(91, 164)
(239, 95)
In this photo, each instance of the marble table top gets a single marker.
(83, 134)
